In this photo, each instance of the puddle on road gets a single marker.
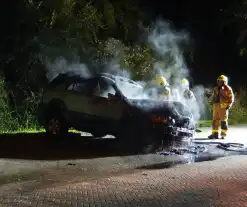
(211, 152)
(183, 159)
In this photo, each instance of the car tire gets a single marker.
(56, 125)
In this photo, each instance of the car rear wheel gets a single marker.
(56, 126)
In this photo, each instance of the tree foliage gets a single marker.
(95, 33)
(68, 27)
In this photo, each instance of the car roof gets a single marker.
(69, 77)
(118, 78)
(65, 78)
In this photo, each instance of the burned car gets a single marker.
(109, 104)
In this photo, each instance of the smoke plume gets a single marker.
(167, 45)
(61, 66)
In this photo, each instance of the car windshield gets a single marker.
(129, 89)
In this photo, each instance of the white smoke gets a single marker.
(166, 44)
(198, 108)
(61, 66)
(113, 67)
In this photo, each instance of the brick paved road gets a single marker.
(149, 180)
(198, 184)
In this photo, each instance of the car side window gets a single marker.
(86, 88)
(103, 89)
(80, 87)
(71, 87)
(77, 87)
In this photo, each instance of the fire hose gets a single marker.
(233, 147)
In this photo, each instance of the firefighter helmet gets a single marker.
(184, 82)
(161, 81)
(223, 78)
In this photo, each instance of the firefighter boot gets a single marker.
(224, 129)
(213, 136)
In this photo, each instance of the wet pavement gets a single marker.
(35, 171)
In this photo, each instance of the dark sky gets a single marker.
(215, 48)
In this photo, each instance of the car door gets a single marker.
(110, 108)
(78, 101)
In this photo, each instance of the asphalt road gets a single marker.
(37, 171)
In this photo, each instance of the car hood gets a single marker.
(166, 108)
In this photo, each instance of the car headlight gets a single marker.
(159, 119)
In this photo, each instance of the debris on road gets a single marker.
(234, 147)
(181, 151)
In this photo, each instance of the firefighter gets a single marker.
(222, 99)
(187, 94)
(162, 86)
(175, 94)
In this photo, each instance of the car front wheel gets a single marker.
(56, 126)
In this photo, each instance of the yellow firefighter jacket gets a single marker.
(223, 96)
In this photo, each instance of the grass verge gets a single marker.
(32, 131)
(204, 123)
(208, 123)
(201, 124)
